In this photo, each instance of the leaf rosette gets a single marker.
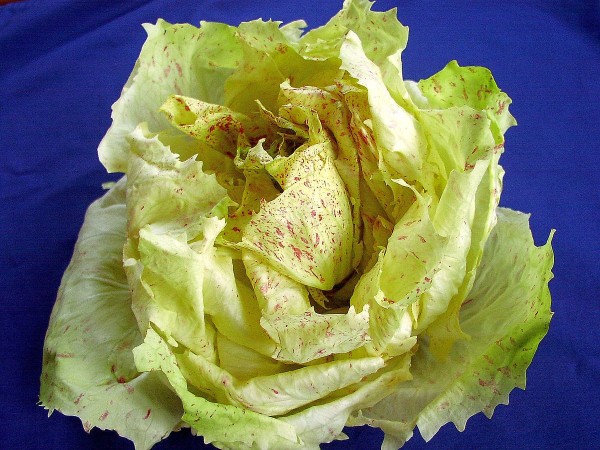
(303, 241)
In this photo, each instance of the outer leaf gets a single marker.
(472, 86)
(162, 191)
(279, 393)
(507, 315)
(237, 427)
(88, 368)
(324, 422)
(175, 59)
(464, 134)
(170, 292)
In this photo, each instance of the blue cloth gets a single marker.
(63, 63)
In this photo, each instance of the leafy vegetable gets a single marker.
(303, 241)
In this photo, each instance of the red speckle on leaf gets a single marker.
(78, 399)
(179, 71)
(297, 252)
(364, 137)
(147, 414)
(230, 155)
(236, 229)
(104, 415)
(504, 371)
(275, 391)
(121, 379)
(402, 238)
(264, 288)
(501, 107)
(415, 256)
(317, 239)
(290, 227)
(483, 90)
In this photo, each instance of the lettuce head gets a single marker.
(302, 240)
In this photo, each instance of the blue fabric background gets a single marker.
(63, 63)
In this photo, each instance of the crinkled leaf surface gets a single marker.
(506, 315)
(216, 422)
(304, 241)
(88, 368)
